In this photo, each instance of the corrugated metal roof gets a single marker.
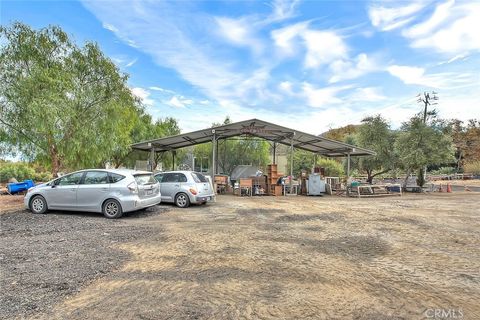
(256, 128)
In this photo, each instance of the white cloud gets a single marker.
(282, 10)
(390, 18)
(194, 61)
(286, 87)
(239, 32)
(110, 27)
(458, 35)
(323, 47)
(345, 70)
(452, 28)
(322, 97)
(367, 94)
(458, 57)
(286, 39)
(156, 88)
(440, 14)
(417, 76)
(131, 63)
(179, 102)
(117, 60)
(186, 39)
(143, 95)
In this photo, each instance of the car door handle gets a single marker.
(74, 189)
(104, 189)
(177, 185)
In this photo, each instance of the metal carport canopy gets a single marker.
(260, 129)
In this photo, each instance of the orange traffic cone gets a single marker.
(449, 188)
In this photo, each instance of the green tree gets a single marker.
(306, 160)
(234, 152)
(146, 129)
(375, 134)
(419, 145)
(67, 106)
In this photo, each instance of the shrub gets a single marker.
(18, 170)
(332, 167)
(472, 167)
(444, 170)
(22, 171)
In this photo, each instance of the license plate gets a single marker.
(149, 192)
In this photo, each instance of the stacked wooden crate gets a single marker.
(272, 178)
(260, 185)
(221, 183)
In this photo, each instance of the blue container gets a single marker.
(20, 186)
(29, 183)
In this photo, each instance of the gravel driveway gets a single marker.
(248, 258)
(45, 258)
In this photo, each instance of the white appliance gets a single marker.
(316, 185)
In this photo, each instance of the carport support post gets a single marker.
(274, 152)
(214, 152)
(291, 164)
(348, 165)
(152, 157)
(348, 173)
(173, 160)
(216, 158)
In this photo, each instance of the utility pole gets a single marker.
(428, 99)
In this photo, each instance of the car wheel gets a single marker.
(112, 209)
(38, 205)
(182, 200)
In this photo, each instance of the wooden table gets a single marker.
(376, 189)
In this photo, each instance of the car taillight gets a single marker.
(193, 191)
(133, 187)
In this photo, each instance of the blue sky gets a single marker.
(310, 65)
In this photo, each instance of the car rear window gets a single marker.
(198, 177)
(142, 179)
(114, 177)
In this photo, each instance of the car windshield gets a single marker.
(142, 179)
(198, 177)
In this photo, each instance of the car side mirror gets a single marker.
(53, 186)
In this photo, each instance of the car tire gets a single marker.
(182, 200)
(112, 209)
(38, 205)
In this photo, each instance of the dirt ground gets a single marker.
(10, 203)
(248, 258)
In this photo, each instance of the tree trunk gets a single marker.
(409, 171)
(55, 161)
(369, 177)
(420, 177)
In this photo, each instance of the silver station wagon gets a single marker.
(111, 192)
(184, 188)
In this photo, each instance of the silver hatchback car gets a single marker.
(111, 192)
(184, 188)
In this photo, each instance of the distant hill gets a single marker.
(341, 133)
